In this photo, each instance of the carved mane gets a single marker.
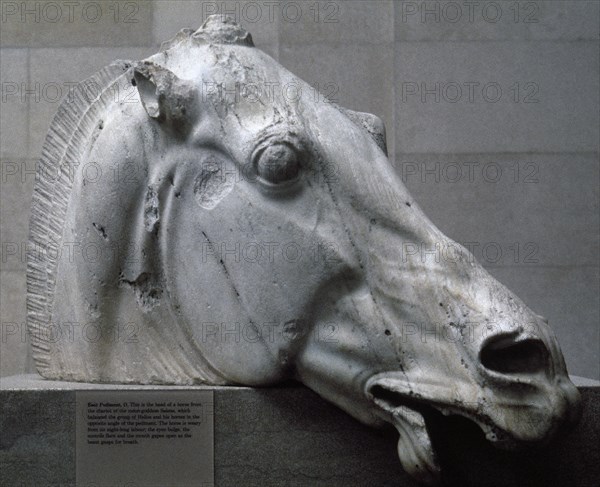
(67, 142)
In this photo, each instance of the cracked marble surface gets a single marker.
(244, 237)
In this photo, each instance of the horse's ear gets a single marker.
(372, 124)
(165, 97)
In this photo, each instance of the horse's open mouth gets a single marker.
(412, 417)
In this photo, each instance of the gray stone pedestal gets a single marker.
(289, 436)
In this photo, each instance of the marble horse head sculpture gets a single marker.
(218, 222)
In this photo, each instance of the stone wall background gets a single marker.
(495, 171)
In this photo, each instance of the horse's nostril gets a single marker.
(507, 356)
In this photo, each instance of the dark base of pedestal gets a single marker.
(291, 437)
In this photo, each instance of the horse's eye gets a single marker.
(278, 163)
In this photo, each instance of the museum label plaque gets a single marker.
(144, 438)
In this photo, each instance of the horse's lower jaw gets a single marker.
(410, 416)
(414, 446)
(415, 449)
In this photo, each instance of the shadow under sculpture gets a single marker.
(206, 188)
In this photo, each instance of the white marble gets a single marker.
(221, 223)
